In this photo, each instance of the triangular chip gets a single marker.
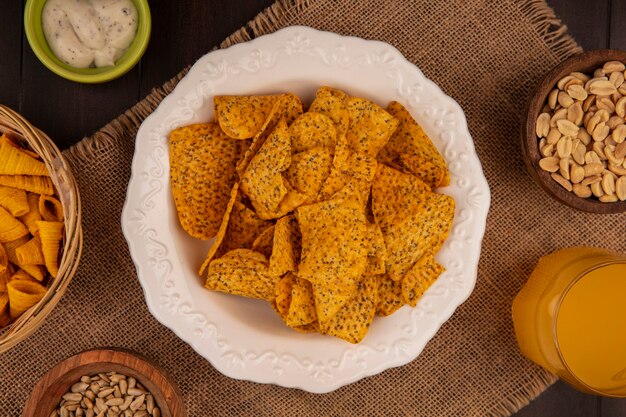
(13, 200)
(287, 246)
(202, 173)
(312, 130)
(242, 272)
(359, 175)
(221, 232)
(410, 139)
(51, 234)
(264, 242)
(395, 194)
(287, 107)
(332, 103)
(352, 322)
(420, 278)
(390, 297)
(23, 294)
(333, 235)
(15, 162)
(370, 126)
(302, 304)
(10, 228)
(262, 181)
(283, 295)
(242, 117)
(337, 177)
(31, 218)
(424, 169)
(413, 220)
(377, 251)
(308, 170)
(50, 209)
(39, 185)
(330, 299)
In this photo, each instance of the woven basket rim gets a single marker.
(18, 127)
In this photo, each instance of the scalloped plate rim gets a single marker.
(169, 321)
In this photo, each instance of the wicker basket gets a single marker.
(67, 190)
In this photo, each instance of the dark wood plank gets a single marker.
(10, 53)
(618, 17)
(587, 21)
(613, 407)
(68, 111)
(561, 400)
(182, 34)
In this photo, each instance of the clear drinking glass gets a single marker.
(570, 318)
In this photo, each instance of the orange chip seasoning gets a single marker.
(264, 241)
(283, 295)
(10, 228)
(31, 218)
(4, 279)
(23, 294)
(390, 297)
(410, 139)
(287, 107)
(242, 272)
(242, 117)
(4, 259)
(202, 174)
(302, 304)
(334, 252)
(221, 232)
(14, 200)
(262, 181)
(51, 234)
(50, 209)
(332, 103)
(15, 162)
(286, 246)
(420, 278)
(370, 126)
(14, 244)
(352, 321)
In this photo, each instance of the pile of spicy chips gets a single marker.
(330, 215)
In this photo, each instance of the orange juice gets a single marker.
(570, 318)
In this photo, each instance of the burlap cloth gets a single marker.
(487, 55)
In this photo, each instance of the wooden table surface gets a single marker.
(184, 31)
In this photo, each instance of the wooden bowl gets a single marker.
(47, 394)
(586, 62)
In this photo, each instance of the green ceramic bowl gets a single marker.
(37, 41)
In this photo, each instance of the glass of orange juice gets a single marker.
(570, 318)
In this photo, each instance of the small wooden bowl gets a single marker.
(586, 62)
(47, 394)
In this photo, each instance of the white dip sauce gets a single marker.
(84, 33)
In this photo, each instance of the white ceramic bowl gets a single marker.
(243, 338)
